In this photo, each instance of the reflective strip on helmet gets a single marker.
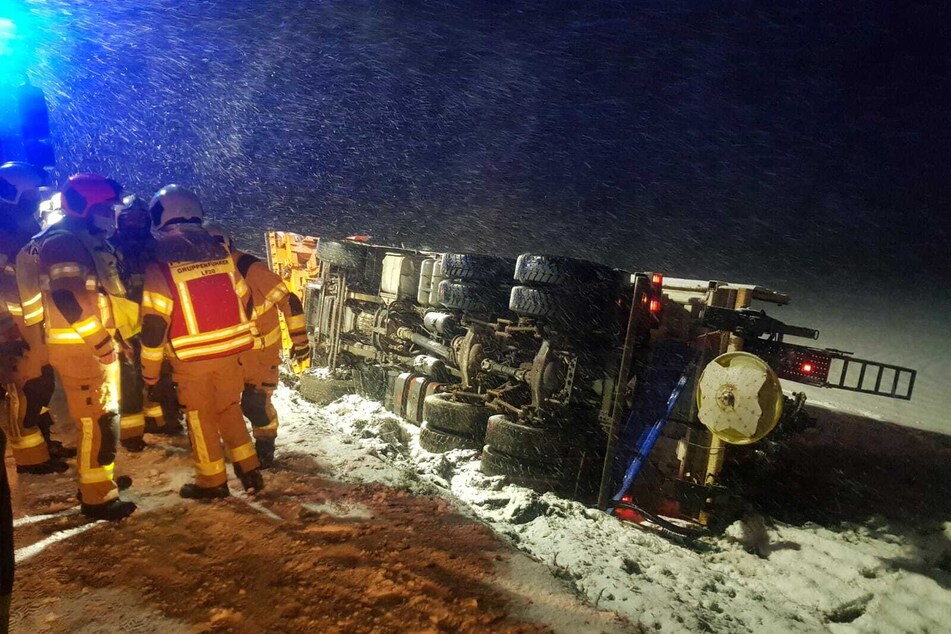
(65, 269)
(159, 303)
(201, 351)
(63, 336)
(92, 283)
(243, 452)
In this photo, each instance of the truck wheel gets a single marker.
(554, 270)
(340, 254)
(439, 441)
(323, 390)
(472, 267)
(533, 444)
(458, 417)
(471, 298)
(540, 477)
(571, 309)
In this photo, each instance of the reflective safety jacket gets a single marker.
(76, 304)
(18, 314)
(270, 295)
(193, 311)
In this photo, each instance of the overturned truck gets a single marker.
(636, 392)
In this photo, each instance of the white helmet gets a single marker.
(174, 204)
(18, 182)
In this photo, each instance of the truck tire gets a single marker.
(541, 477)
(439, 441)
(473, 267)
(323, 390)
(570, 309)
(554, 270)
(458, 417)
(525, 442)
(340, 254)
(470, 297)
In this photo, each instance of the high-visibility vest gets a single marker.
(207, 320)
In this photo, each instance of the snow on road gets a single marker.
(870, 577)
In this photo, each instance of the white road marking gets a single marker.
(35, 519)
(26, 552)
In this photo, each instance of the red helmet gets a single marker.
(87, 194)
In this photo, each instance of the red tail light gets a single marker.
(655, 306)
(657, 279)
(806, 368)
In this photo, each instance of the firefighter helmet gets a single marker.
(174, 204)
(86, 195)
(132, 215)
(20, 186)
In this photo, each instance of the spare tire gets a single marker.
(439, 441)
(473, 267)
(470, 297)
(322, 390)
(447, 414)
(555, 270)
(341, 254)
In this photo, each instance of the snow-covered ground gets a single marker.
(868, 577)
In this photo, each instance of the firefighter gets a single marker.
(135, 248)
(260, 364)
(28, 377)
(81, 296)
(193, 305)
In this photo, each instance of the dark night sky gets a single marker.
(702, 137)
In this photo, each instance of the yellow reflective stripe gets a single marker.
(131, 421)
(33, 300)
(63, 335)
(99, 474)
(33, 317)
(214, 335)
(203, 465)
(198, 351)
(91, 283)
(272, 337)
(26, 442)
(241, 288)
(153, 354)
(157, 302)
(243, 452)
(85, 445)
(153, 411)
(187, 309)
(88, 326)
(65, 269)
(210, 468)
(295, 322)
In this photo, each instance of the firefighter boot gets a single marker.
(113, 511)
(264, 447)
(134, 444)
(192, 491)
(53, 465)
(252, 480)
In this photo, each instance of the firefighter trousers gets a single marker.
(28, 421)
(6, 546)
(92, 392)
(210, 392)
(135, 408)
(261, 370)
